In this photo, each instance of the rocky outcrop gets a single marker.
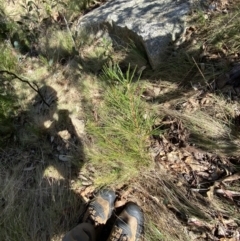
(151, 24)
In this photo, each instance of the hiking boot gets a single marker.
(129, 225)
(101, 207)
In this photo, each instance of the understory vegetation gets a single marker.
(123, 129)
(79, 112)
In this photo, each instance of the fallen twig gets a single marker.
(228, 193)
(206, 82)
(199, 189)
(36, 88)
(68, 29)
(231, 178)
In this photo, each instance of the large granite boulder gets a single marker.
(151, 24)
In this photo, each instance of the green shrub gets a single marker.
(7, 100)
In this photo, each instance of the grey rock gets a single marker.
(151, 24)
(65, 158)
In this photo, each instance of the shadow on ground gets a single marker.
(40, 168)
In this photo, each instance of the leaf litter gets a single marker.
(203, 172)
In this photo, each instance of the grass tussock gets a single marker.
(34, 203)
(56, 45)
(121, 134)
(221, 31)
(165, 196)
(207, 131)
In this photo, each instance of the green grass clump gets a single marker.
(7, 102)
(8, 59)
(220, 32)
(122, 133)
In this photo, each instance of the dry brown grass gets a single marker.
(37, 202)
(158, 195)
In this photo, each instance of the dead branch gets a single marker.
(228, 193)
(36, 88)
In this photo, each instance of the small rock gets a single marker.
(221, 230)
(64, 158)
(225, 11)
(65, 135)
(79, 126)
